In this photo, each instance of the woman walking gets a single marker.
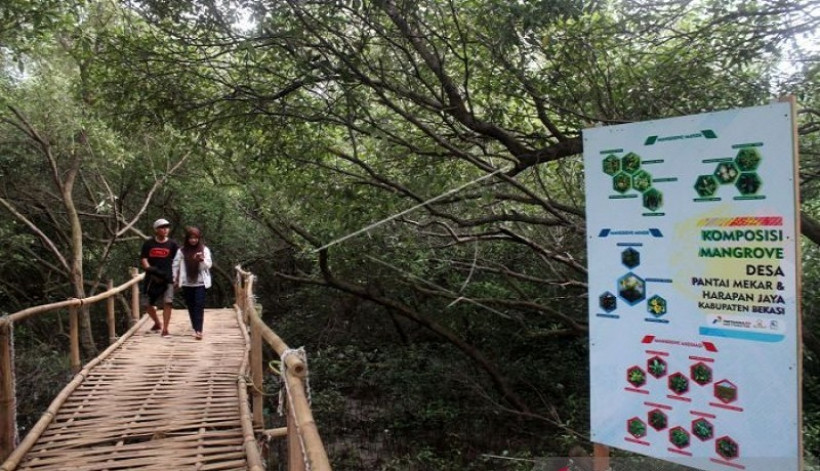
(192, 273)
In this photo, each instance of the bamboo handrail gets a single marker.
(20, 315)
(8, 406)
(41, 425)
(249, 442)
(294, 364)
(305, 446)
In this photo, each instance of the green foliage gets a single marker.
(323, 118)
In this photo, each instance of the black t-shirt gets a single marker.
(160, 255)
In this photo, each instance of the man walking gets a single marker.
(156, 258)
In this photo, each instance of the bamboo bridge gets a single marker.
(154, 403)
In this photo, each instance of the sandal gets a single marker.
(198, 335)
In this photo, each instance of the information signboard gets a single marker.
(693, 278)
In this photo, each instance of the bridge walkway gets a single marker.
(154, 403)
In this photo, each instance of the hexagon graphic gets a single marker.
(608, 302)
(706, 185)
(727, 448)
(657, 419)
(747, 160)
(726, 172)
(701, 373)
(652, 199)
(621, 182)
(631, 288)
(726, 391)
(703, 429)
(656, 366)
(678, 383)
(631, 258)
(636, 376)
(636, 427)
(631, 163)
(748, 183)
(612, 165)
(642, 180)
(656, 306)
(679, 437)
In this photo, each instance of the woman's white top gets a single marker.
(181, 275)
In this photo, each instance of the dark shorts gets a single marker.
(154, 292)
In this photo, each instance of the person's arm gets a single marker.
(175, 267)
(207, 262)
(144, 256)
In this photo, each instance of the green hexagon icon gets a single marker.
(621, 182)
(656, 306)
(652, 199)
(632, 288)
(706, 185)
(631, 163)
(612, 165)
(748, 183)
(747, 160)
(726, 172)
(631, 258)
(642, 180)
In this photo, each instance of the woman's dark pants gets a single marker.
(195, 300)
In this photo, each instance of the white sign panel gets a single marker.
(693, 281)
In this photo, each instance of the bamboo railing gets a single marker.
(305, 448)
(8, 400)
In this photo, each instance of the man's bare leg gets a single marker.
(166, 317)
(152, 313)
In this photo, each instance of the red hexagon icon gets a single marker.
(679, 437)
(703, 429)
(636, 376)
(725, 391)
(636, 427)
(657, 419)
(656, 366)
(727, 448)
(701, 373)
(678, 383)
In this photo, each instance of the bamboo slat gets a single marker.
(150, 403)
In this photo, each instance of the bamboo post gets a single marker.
(256, 374)
(237, 292)
(600, 454)
(109, 306)
(135, 298)
(8, 405)
(247, 297)
(315, 453)
(253, 456)
(74, 328)
(296, 460)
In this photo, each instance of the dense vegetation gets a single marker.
(452, 336)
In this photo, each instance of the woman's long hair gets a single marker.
(189, 253)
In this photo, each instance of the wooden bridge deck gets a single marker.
(154, 404)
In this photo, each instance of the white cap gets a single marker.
(161, 222)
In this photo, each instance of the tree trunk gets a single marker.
(76, 274)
